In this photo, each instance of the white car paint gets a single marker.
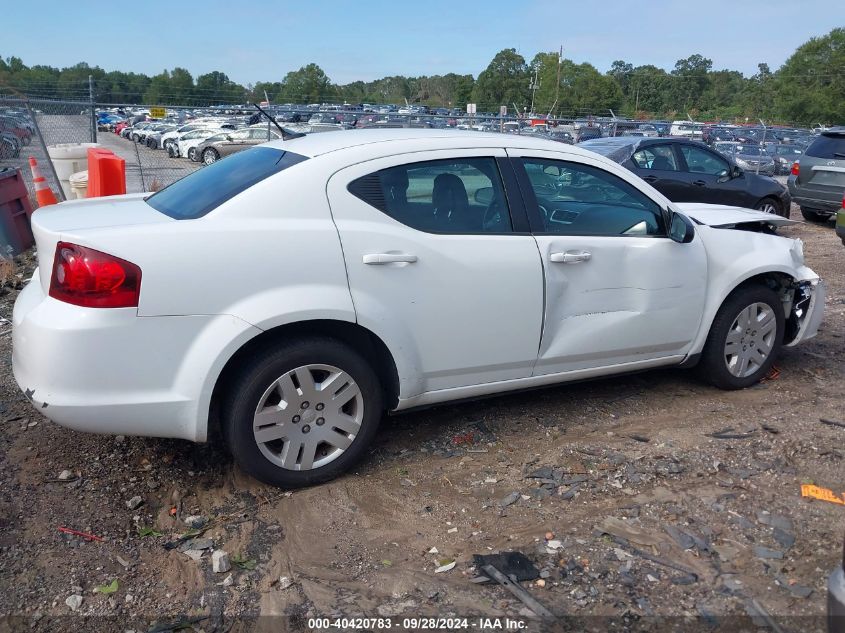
(466, 319)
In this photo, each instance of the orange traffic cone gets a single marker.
(43, 193)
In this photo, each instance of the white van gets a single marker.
(688, 129)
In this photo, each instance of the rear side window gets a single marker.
(460, 196)
(206, 189)
(828, 146)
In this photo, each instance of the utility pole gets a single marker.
(557, 85)
(533, 87)
(93, 111)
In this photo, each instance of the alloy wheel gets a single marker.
(750, 339)
(308, 417)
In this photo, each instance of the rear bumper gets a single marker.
(813, 198)
(111, 371)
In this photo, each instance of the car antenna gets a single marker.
(286, 134)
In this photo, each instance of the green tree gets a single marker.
(690, 80)
(810, 86)
(309, 84)
(505, 81)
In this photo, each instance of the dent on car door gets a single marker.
(618, 290)
(441, 267)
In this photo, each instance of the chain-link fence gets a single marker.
(150, 138)
(28, 127)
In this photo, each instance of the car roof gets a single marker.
(312, 145)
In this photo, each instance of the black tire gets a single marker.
(713, 367)
(171, 150)
(246, 389)
(210, 156)
(775, 204)
(192, 154)
(814, 216)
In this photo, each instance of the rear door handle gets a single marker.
(699, 183)
(377, 259)
(571, 257)
(650, 178)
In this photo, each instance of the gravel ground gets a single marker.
(622, 492)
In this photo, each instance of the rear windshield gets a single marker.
(209, 187)
(828, 146)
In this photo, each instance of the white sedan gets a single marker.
(294, 292)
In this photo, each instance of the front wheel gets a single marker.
(210, 156)
(771, 205)
(302, 413)
(745, 338)
(192, 154)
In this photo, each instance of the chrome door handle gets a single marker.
(571, 257)
(376, 259)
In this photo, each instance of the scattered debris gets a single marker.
(825, 494)
(835, 423)
(65, 475)
(285, 582)
(509, 500)
(134, 502)
(195, 521)
(624, 530)
(445, 565)
(729, 434)
(220, 562)
(527, 599)
(74, 602)
(84, 535)
(512, 564)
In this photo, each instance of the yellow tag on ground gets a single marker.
(825, 494)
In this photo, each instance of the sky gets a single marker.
(366, 40)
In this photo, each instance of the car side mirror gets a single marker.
(681, 229)
(484, 196)
(228, 137)
(736, 171)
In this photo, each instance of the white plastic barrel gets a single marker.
(69, 158)
(78, 185)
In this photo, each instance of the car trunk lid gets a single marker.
(70, 220)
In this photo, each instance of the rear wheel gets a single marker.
(302, 413)
(814, 216)
(770, 205)
(745, 338)
(192, 154)
(210, 155)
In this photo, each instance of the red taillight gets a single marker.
(796, 169)
(92, 279)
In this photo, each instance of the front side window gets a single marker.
(576, 199)
(656, 157)
(463, 195)
(703, 162)
(202, 191)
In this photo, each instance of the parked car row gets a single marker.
(16, 130)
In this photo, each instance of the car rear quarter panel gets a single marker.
(269, 256)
